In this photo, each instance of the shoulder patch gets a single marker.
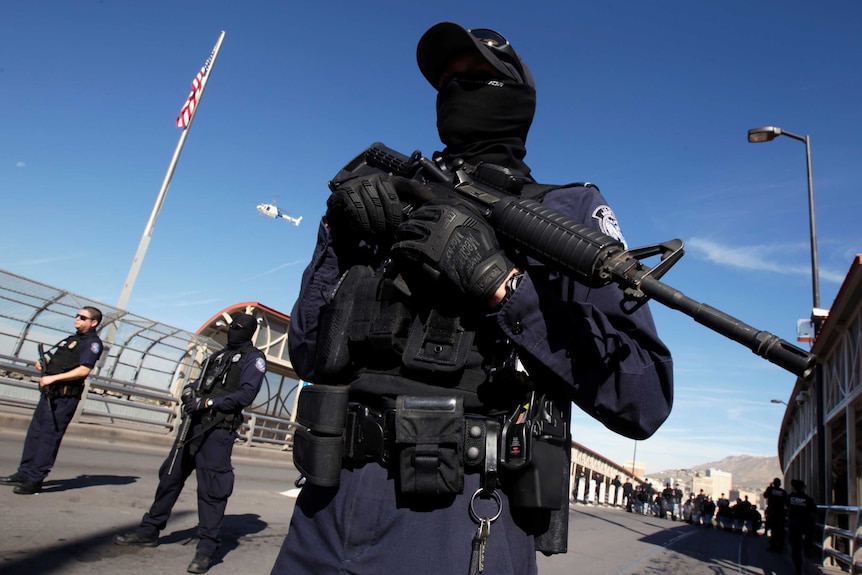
(96, 347)
(260, 364)
(608, 223)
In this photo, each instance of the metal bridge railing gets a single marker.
(840, 546)
(110, 402)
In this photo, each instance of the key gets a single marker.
(477, 559)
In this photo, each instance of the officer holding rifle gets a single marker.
(64, 372)
(444, 360)
(212, 408)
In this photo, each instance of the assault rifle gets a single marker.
(589, 256)
(43, 359)
(186, 417)
(47, 391)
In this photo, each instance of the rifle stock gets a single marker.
(589, 256)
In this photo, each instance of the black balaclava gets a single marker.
(241, 330)
(479, 121)
(486, 122)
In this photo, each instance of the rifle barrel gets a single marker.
(762, 343)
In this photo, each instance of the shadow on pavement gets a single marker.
(100, 546)
(234, 528)
(82, 481)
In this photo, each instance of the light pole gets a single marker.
(766, 134)
(777, 401)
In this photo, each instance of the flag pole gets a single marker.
(148, 230)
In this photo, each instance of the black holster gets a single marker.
(536, 475)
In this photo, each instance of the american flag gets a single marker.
(195, 95)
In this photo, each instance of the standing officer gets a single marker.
(801, 520)
(628, 489)
(443, 363)
(61, 384)
(776, 499)
(677, 502)
(213, 412)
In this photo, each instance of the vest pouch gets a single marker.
(318, 446)
(429, 433)
(437, 345)
(345, 319)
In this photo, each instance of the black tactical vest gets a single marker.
(67, 357)
(222, 376)
(415, 341)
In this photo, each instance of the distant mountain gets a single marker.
(750, 472)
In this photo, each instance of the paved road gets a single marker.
(101, 485)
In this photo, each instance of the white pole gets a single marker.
(148, 230)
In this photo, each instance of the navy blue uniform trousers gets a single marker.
(44, 435)
(209, 455)
(338, 531)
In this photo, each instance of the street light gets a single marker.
(777, 401)
(766, 134)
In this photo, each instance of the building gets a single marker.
(713, 482)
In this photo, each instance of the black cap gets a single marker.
(798, 484)
(446, 40)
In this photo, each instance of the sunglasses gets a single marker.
(83, 317)
(498, 43)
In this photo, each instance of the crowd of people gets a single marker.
(792, 514)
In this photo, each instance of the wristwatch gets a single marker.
(208, 403)
(511, 285)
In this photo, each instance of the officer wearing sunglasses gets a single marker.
(444, 363)
(61, 384)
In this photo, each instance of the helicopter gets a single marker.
(273, 211)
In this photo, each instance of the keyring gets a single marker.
(475, 516)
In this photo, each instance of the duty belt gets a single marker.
(370, 437)
(64, 390)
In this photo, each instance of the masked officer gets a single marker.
(776, 500)
(443, 363)
(801, 521)
(213, 412)
(61, 384)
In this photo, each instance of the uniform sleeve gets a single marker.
(318, 281)
(90, 352)
(613, 364)
(250, 380)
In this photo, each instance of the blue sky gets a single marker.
(651, 101)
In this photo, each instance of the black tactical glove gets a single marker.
(192, 402)
(364, 208)
(454, 239)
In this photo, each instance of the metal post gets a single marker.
(815, 277)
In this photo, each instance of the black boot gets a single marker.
(28, 487)
(135, 539)
(14, 479)
(200, 564)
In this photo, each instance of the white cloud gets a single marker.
(20, 164)
(757, 257)
(277, 268)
